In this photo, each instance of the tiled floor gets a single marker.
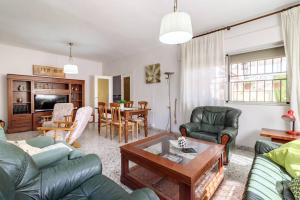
(108, 150)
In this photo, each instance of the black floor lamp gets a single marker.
(168, 77)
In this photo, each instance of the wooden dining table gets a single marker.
(127, 113)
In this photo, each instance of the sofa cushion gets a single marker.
(213, 122)
(263, 179)
(98, 186)
(210, 137)
(287, 156)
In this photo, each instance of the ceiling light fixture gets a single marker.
(176, 27)
(70, 68)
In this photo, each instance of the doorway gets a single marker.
(103, 90)
(126, 88)
(117, 89)
(103, 86)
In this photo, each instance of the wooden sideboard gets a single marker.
(21, 91)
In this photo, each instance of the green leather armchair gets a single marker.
(214, 124)
(81, 178)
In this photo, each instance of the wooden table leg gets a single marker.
(146, 122)
(126, 116)
(186, 192)
(124, 167)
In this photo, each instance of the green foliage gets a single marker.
(122, 101)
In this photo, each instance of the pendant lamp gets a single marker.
(176, 27)
(70, 68)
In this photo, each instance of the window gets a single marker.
(259, 76)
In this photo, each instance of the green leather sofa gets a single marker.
(51, 157)
(214, 124)
(267, 180)
(80, 178)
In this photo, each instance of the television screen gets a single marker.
(47, 102)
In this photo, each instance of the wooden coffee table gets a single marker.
(157, 163)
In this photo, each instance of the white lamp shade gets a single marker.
(176, 28)
(70, 69)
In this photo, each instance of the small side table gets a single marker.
(278, 135)
(2, 124)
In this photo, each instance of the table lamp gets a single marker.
(289, 116)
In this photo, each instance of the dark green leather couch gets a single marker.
(266, 179)
(51, 157)
(214, 124)
(78, 179)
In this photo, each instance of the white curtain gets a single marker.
(202, 73)
(291, 35)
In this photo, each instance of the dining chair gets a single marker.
(128, 104)
(116, 120)
(140, 119)
(103, 117)
(143, 104)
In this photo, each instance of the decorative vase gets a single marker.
(19, 100)
(181, 142)
(121, 106)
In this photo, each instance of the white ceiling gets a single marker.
(110, 29)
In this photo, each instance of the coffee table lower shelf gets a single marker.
(168, 189)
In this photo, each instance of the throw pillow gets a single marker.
(295, 188)
(287, 156)
(26, 147)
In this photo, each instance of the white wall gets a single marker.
(260, 34)
(15, 60)
(156, 94)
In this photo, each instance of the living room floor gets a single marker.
(108, 150)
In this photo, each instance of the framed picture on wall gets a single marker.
(42, 70)
(152, 73)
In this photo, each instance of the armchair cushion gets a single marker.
(50, 157)
(98, 186)
(191, 127)
(210, 137)
(213, 121)
(64, 178)
(7, 189)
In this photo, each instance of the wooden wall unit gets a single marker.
(21, 90)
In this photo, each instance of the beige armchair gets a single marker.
(73, 130)
(62, 114)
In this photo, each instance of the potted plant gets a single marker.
(122, 102)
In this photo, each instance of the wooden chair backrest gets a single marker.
(102, 110)
(115, 113)
(143, 104)
(129, 104)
